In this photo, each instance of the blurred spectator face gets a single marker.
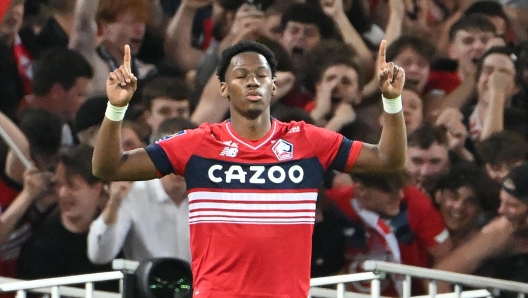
(386, 203)
(412, 110)
(130, 139)
(163, 108)
(72, 99)
(459, 208)
(426, 164)
(12, 20)
(497, 173)
(494, 64)
(127, 29)
(513, 209)
(272, 27)
(174, 185)
(78, 200)
(298, 39)
(347, 88)
(468, 46)
(416, 68)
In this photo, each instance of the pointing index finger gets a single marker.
(126, 59)
(381, 54)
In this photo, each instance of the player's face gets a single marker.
(249, 85)
(459, 209)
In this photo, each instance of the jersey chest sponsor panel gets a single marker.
(252, 207)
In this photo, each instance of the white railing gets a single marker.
(376, 270)
(55, 286)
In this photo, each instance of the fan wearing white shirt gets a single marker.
(144, 219)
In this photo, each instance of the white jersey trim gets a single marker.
(276, 208)
(274, 128)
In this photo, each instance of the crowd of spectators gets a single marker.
(461, 205)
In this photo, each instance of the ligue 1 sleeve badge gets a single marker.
(283, 150)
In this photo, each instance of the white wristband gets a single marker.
(392, 106)
(115, 113)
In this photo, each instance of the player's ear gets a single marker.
(223, 89)
(273, 88)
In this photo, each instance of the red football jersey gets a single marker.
(252, 203)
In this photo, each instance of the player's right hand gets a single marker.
(121, 83)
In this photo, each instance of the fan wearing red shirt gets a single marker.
(390, 221)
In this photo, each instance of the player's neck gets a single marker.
(251, 129)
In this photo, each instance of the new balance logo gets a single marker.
(294, 129)
(231, 150)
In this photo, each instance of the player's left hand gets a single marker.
(391, 77)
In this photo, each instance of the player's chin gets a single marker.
(254, 112)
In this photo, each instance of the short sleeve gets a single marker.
(171, 154)
(335, 151)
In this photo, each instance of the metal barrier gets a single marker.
(376, 270)
(55, 286)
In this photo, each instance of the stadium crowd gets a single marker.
(460, 205)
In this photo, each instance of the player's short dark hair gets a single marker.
(425, 136)
(43, 130)
(308, 13)
(243, 47)
(421, 46)
(59, 66)
(166, 87)
(475, 21)
(502, 147)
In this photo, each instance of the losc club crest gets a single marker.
(283, 150)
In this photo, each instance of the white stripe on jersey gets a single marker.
(252, 208)
(254, 214)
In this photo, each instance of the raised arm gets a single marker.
(83, 36)
(178, 43)
(109, 161)
(108, 233)
(389, 154)
(350, 35)
(14, 167)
